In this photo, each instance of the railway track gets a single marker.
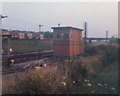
(23, 57)
(27, 56)
(21, 67)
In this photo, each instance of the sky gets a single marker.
(100, 16)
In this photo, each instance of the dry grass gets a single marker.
(43, 81)
(92, 64)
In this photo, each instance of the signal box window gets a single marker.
(66, 36)
(58, 36)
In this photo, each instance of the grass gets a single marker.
(27, 45)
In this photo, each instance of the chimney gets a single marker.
(58, 25)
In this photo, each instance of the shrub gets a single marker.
(91, 50)
(108, 53)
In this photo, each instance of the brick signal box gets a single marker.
(67, 41)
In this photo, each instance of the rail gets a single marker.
(27, 56)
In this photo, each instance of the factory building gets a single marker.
(67, 41)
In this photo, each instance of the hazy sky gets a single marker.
(27, 16)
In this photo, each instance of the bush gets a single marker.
(108, 53)
(91, 50)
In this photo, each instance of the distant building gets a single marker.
(39, 36)
(5, 32)
(67, 41)
(29, 35)
(17, 34)
(14, 34)
(21, 35)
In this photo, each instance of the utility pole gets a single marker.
(59, 25)
(8, 39)
(85, 36)
(37, 41)
(40, 27)
(106, 36)
(106, 57)
(8, 55)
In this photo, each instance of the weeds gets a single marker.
(73, 76)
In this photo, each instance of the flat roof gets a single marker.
(67, 27)
(6, 35)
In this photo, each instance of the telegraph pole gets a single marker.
(8, 55)
(59, 25)
(106, 36)
(8, 39)
(106, 57)
(38, 43)
(85, 36)
(40, 27)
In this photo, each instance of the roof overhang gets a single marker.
(67, 27)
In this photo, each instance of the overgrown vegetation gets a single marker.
(108, 53)
(96, 73)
